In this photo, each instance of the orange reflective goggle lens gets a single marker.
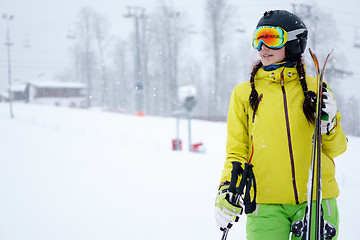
(272, 37)
(275, 37)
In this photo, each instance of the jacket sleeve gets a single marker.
(335, 143)
(237, 144)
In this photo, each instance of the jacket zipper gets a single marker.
(252, 149)
(289, 138)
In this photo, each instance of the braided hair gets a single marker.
(254, 100)
(310, 96)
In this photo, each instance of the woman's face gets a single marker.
(270, 56)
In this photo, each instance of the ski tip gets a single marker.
(313, 55)
(310, 51)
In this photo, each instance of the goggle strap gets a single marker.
(292, 34)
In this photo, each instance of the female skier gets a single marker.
(270, 125)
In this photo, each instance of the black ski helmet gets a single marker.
(289, 22)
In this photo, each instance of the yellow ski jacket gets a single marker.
(277, 138)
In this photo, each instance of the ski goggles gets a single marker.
(273, 37)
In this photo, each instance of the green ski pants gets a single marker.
(273, 221)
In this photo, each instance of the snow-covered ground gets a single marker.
(70, 174)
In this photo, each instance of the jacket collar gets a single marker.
(273, 67)
(289, 73)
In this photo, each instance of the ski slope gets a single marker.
(71, 174)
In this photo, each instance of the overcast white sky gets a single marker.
(45, 24)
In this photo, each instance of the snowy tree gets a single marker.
(89, 55)
(321, 27)
(121, 88)
(168, 32)
(101, 29)
(219, 31)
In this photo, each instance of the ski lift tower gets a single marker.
(138, 14)
(8, 43)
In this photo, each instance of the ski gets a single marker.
(319, 221)
(323, 230)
